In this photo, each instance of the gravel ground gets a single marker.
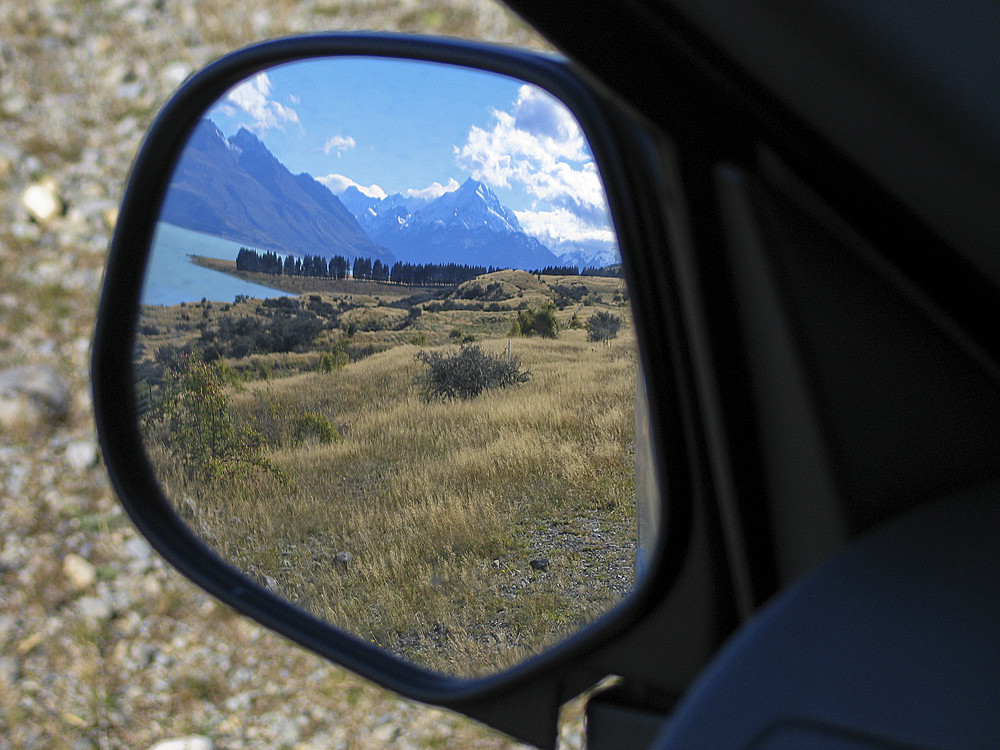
(101, 645)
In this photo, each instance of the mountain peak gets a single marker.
(472, 205)
(248, 142)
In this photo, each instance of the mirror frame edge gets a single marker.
(533, 690)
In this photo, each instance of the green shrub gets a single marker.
(330, 361)
(536, 322)
(466, 373)
(200, 428)
(603, 326)
(316, 427)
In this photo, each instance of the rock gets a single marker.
(94, 609)
(81, 454)
(342, 559)
(80, 573)
(541, 563)
(138, 548)
(42, 201)
(175, 73)
(385, 734)
(194, 742)
(32, 394)
(139, 553)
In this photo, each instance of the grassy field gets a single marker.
(460, 534)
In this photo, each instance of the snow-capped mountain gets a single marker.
(468, 226)
(370, 211)
(472, 206)
(584, 254)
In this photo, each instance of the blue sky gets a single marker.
(420, 128)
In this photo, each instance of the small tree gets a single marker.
(603, 326)
(467, 373)
(200, 428)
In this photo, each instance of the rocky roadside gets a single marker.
(101, 645)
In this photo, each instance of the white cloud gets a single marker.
(253, 98)
(434, 190)
(562, 225)
(538, 146)
(339, 143)
(338, 184)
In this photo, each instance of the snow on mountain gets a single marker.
(468, 226)
(597, 254)
(472, 206)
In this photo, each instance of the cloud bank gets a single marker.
(432, 191)
(338, 183)
(538, 146)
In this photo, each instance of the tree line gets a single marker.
(615, 271)
(338, 267)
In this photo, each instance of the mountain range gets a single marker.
(237, 189)
(468, 225)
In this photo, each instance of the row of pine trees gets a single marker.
(338, 267)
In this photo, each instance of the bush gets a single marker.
(541, 322)
(313, 426)
(330, 361)
(603, 326)
(467, 373)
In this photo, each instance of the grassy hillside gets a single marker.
(460, 534)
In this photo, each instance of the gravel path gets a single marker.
(100, 644)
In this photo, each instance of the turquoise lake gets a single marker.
(171, 277)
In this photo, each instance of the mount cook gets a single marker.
(237, 189)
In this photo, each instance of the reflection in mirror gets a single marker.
(385, 360)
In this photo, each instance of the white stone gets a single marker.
(138, 549)
(42, 201)
(80, 573)
(94, 608)
(81, 454)
(176, 73)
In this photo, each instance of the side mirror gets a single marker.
(327, 376)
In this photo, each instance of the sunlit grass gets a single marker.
(476, 531)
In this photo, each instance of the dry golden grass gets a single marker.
(442, 506)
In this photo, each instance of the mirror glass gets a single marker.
(386, 364)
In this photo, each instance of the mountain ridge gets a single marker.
(237, 189)
(468, 226)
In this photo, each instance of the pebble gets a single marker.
(139, 551)
(42, 201)
(79, 571)
(93, 609)
(32, 394)
(81, 454)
